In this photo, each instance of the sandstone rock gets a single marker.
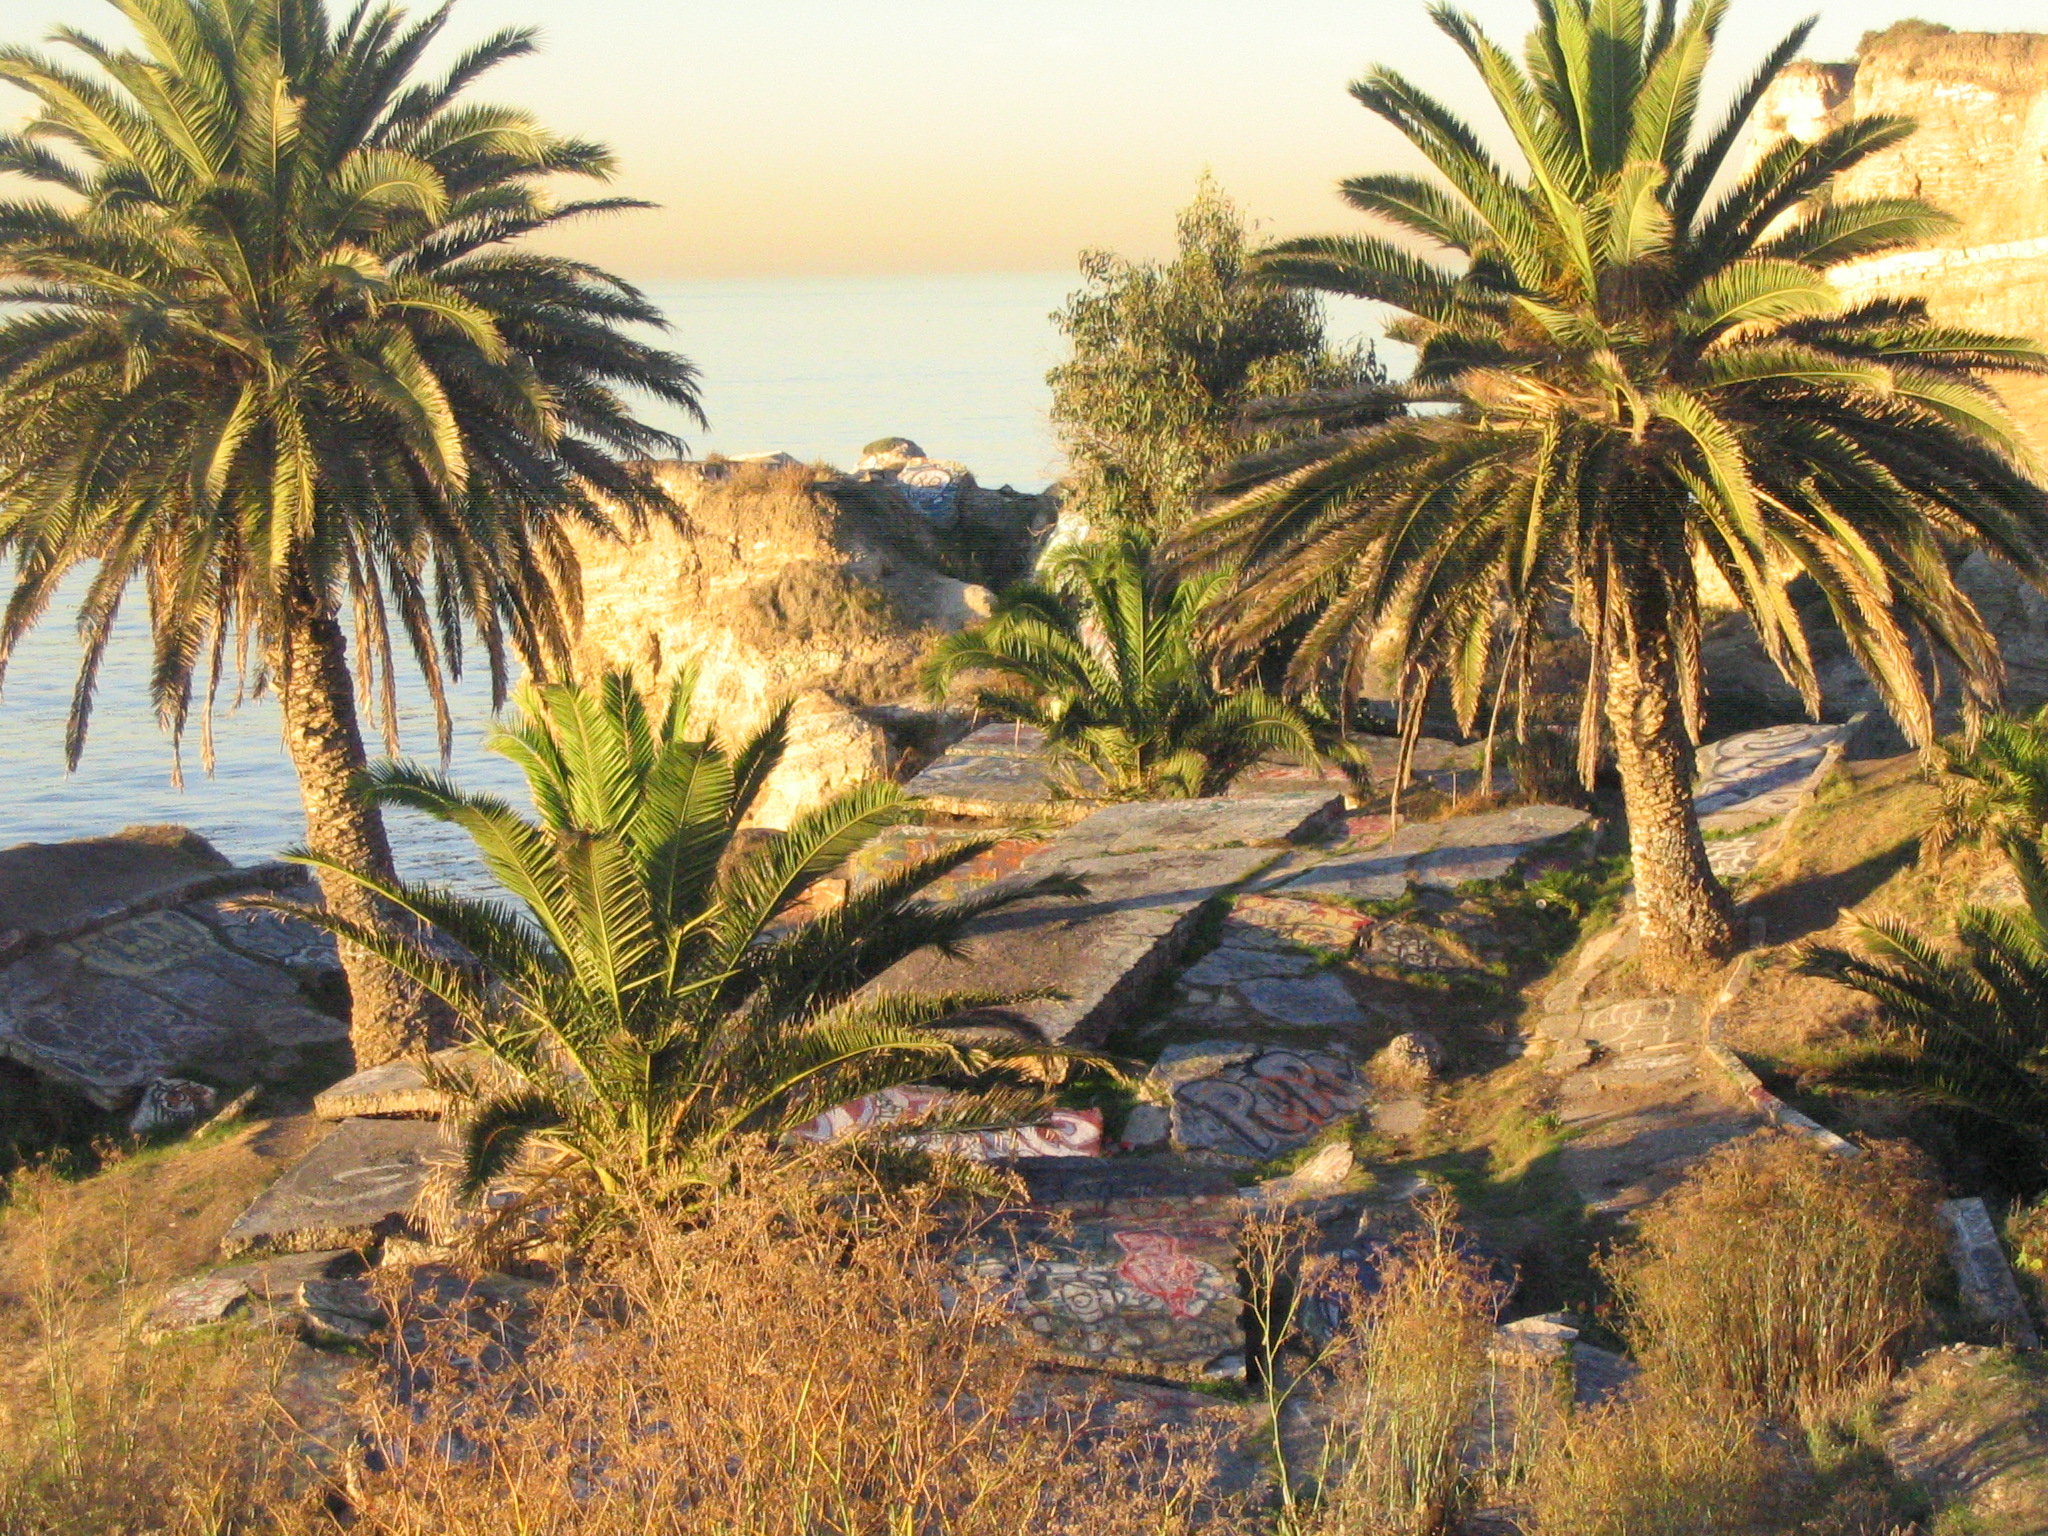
(782, 582)
(831, 748)
(1411, 1061)
(1103, 950)
(355, 1187)
(1325, 1171)
(196, 1303)
(48, 888)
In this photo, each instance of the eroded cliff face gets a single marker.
(1981, 154)
(784, 581)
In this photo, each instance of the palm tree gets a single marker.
(1995, 785)
(269, 345)
(1632, 366)
(1106, 658)
(1972, 1021)
(650, 1000)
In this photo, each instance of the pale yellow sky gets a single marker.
(906, 136)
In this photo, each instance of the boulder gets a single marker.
(1409, 1061)
(781, 581)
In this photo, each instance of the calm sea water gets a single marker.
(815, 368)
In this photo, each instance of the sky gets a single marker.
(873, 137)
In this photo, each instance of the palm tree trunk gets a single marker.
(388, 1016)
(1685, 914)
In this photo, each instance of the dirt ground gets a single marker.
(94, 1252)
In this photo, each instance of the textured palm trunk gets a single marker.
(388, 1016)
(1686, 916)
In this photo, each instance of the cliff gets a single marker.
(785, 581)
(1981, 154)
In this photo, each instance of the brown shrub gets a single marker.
(778, 1368)
(1781, 1280)
(1649, 1466)
(1405, 1379)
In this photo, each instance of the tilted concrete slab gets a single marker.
(1145, 826)
(396, 1090)
(354, 1188)
(156, 995)
(1440, 855)
(1103, 951)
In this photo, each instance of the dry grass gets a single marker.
(1780, 1281)
(1404, 1380)
(796, 1362)
(779, 1368)
(1650, 1467)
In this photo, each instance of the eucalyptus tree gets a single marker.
(1633, 366)
(271, 348)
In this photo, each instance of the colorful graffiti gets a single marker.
(1063, 1133)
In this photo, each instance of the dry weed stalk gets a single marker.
(1647, 1466)
(1404, 1378)
(1781, 1281)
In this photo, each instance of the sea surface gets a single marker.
(812, 367)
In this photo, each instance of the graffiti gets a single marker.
(1267, 1104)
(1063, 1133)
(1104, 1291)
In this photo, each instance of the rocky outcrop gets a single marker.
(1981, 100)
(785, 581)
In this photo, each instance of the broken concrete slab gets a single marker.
(1489, 847)
(154, 996)
(1256, 1103)
(1103, 950)
(1759, 774)
(395, 1090)
(1158, 1296)
(355, 1187)
(1983, 1277)
(1003, 770)
(1149, 825)
(48, 888)
(274, 937)
(1439, 855)
(1321, 1001)
(1062, 1133)
(1292, 921)
(1228, 966)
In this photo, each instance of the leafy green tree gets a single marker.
(271, 347)
(1971, 1022)
(1165, 359)
(1106, 657)
(1633, 364)
(650, 999)
(1995, 785)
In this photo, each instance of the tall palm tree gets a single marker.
(1971, 1021)
(1632, 365)
(269, 345)
(648, 1001)
(1106, 657)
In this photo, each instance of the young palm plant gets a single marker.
(646, 1004)
(1106, 657)
(271, 347)
(1995, 785)
(1973, 1020)
(1633, 365)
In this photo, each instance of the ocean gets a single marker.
(812, 367)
